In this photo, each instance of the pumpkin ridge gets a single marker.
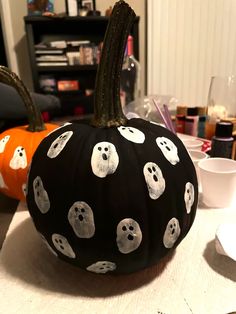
(148, 234)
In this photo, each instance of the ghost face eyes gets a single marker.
(154, 180)
(58, 145)
(19, 159)
(132, 134)
(41, 196)
(104, 159)
(102, 267)
(189, 196)
(169, 150)
(81, 219)
(62, 245)
(129, 235)
(3, 143)
(172, 233)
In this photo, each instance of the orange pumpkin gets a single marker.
(18, 144)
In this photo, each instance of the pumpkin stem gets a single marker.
(34, 115)
(107, 106)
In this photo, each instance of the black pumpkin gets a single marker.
(117, 195)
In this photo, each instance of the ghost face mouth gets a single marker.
(130, 237)
(104, 156)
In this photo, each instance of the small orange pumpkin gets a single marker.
(18, 144)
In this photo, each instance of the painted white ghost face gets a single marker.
(24, 189)
(132, 134)
(154, 180)
(62, 245)
(2, 182)
(3, 142)
(189, 196)
(58, 144)
(104, 159)
(172, 233)
(80, 217)
(41, 196)
(168, 149)
(19, 159)
(102, 267)
(47, 245)
(128, 235)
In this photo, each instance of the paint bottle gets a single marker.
(234, 147)
(222, 141)
(180, 123)
(191, 121)
(201, 121)
(201, 126)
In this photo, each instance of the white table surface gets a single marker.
(196, 279)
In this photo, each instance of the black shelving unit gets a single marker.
(46, 29)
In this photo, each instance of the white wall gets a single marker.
(188, 42)
(12, 13)
(10, 30)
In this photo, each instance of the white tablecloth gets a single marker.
(194, 280)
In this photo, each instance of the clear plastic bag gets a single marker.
(144, 107)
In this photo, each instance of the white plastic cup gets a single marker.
(197, 156)
(218, 179)
(193, 144)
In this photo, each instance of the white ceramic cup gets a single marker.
(192, 144)
(218, 179)
(197, 156)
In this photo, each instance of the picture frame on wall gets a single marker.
(89, 4)
(81, 7)
(72, 7)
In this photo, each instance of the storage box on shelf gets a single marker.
(67, 49)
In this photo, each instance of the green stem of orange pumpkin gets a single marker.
(107, 106)
(34, 115)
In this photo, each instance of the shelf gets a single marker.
(67, 68)
(65, 94)
(64, 18)
(69, 28)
